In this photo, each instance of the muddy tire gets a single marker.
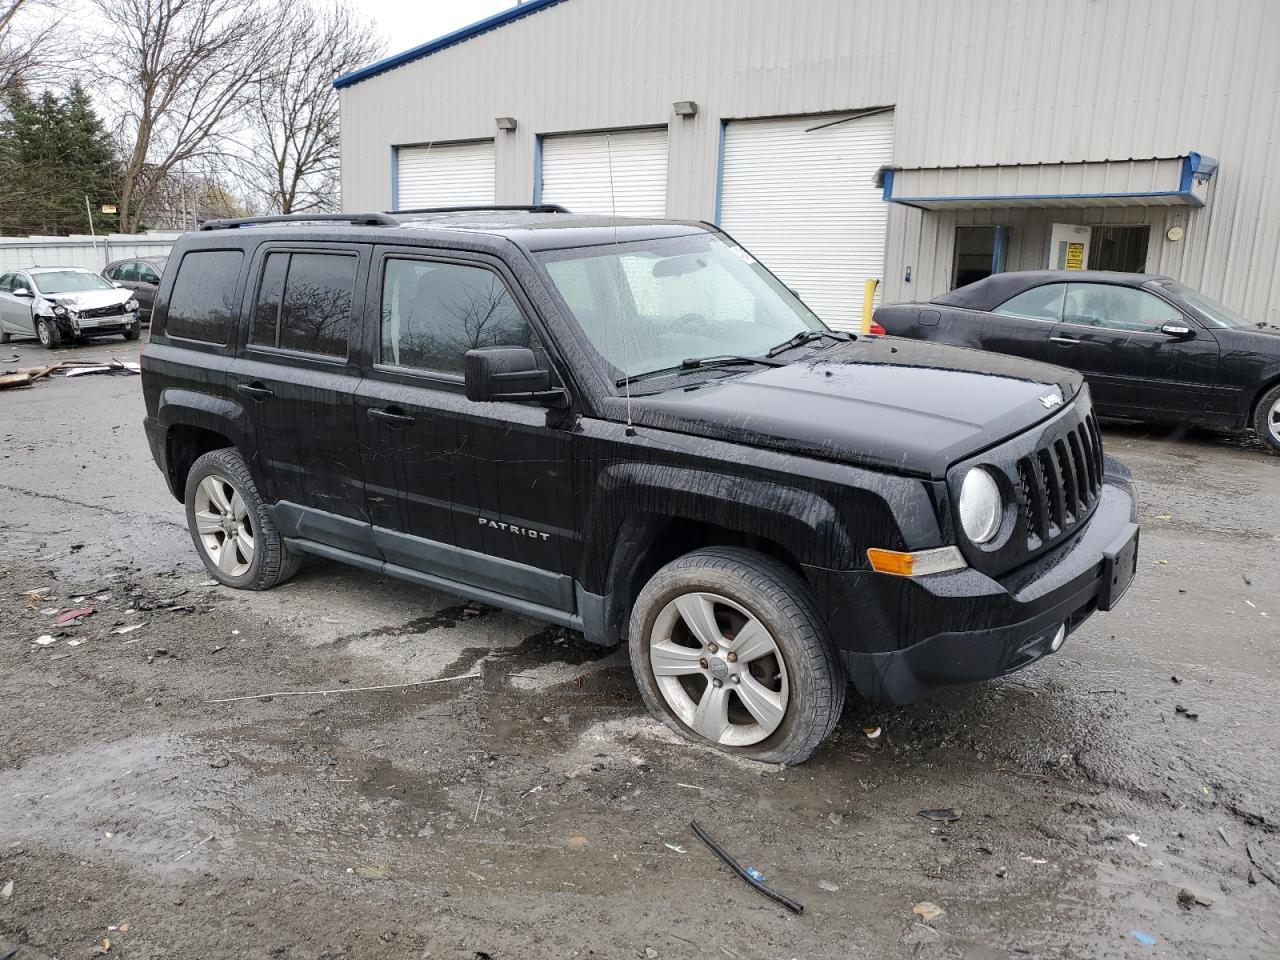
(48, 333)
(231, 526)
(5, 337)
(1266, 419)
(729, 650)
(133, 332)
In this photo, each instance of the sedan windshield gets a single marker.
(69, 281)
(1208, 308)
(653, 305)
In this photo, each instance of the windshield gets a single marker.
(69, 281)
(1208, 308)
(648, 305)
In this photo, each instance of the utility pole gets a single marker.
(88, 209)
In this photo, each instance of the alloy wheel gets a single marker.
(1273, 422)
(719, 669)
(224, 525)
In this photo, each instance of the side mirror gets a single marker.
(23, 292)
(1177, 330)
(117, 284)
(509, 373)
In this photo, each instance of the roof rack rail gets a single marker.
(356, 219)
(487, 207)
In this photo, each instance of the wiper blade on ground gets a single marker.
(807, 336)
(699, 363)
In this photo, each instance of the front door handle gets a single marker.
(256, 390)
(391, 416)
(1066, 340)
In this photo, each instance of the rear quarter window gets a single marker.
(202, 304)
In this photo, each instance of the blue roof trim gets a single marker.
(500, 19)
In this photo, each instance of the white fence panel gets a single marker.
(93, 253)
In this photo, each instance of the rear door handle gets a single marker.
(391, 416)
(256, 390)
(1066, 340)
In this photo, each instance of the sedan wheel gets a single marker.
(1273, 423)
(224, 525)
(1266, 419)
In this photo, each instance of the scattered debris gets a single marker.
(119, 631)
(1269, 867)
(1135, 839)
(674, 846)
(1188, 899)
(325, 693)
(1023, 856)
(828, 886)
(14, 380)
(926, 910)
(6, 891)
(45, 640)
(752, 876)
(1144, 938)
(183, 856)
(943, 815)
(871, 732)
(374, 871)
(1176, 679)
(919, 933)
(1189, 714)
(76, 613)
(689, 786)
(219, 763)
(577, 840)
(103, 948)
(1163, 516)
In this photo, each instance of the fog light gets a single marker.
(1058, 637)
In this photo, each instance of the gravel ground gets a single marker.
(525, 805)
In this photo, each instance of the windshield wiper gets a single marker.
(699, 363)
(807, 336)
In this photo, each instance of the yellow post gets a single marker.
(868, 303)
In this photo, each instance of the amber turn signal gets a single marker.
(916, 564)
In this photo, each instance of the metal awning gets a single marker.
(1158, 181)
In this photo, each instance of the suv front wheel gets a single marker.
(232, 529)
(728, 649)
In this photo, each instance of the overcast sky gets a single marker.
(407, 23)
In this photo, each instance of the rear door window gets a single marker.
(202, 304)
(127, 272)
(1038, 303)
(304, 303)
(433, 313)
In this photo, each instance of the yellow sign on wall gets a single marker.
(1075, 255)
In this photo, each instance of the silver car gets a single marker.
(64, 303)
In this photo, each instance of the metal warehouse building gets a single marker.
(923, 142)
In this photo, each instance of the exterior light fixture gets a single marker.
(506, 123)
(685, 108)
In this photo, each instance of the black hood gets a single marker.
(904, 405)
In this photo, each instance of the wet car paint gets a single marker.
(845, 449)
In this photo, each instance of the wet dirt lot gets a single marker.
(526, 806)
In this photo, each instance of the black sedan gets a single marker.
(1151, 348)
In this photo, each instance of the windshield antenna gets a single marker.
(617, 272)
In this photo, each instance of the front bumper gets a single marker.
(903, 638)
(93, 326)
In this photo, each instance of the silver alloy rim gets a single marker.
(224, 525)
(44, 333)
(1273, 422)
(719, 670)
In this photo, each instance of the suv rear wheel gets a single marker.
(728, 649)
(232, 529)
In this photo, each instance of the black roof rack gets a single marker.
(358, 219)
(485, 208)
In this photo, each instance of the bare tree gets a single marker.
(180, 73)
(33, 49)
(293, 149)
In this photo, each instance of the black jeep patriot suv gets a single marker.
(631, 428)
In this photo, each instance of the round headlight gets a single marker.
(981, 506)
(131, 305)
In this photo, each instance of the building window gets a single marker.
(980, 252)
(1120, 248)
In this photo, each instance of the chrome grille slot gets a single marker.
(115, 309)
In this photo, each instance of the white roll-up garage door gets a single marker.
(445, 175)
(806, 204)
(575, 172)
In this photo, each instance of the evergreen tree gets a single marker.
(54, 151)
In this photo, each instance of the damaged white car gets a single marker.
(64, 303)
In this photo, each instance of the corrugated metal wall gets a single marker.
(972, 82)
(80, 251)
